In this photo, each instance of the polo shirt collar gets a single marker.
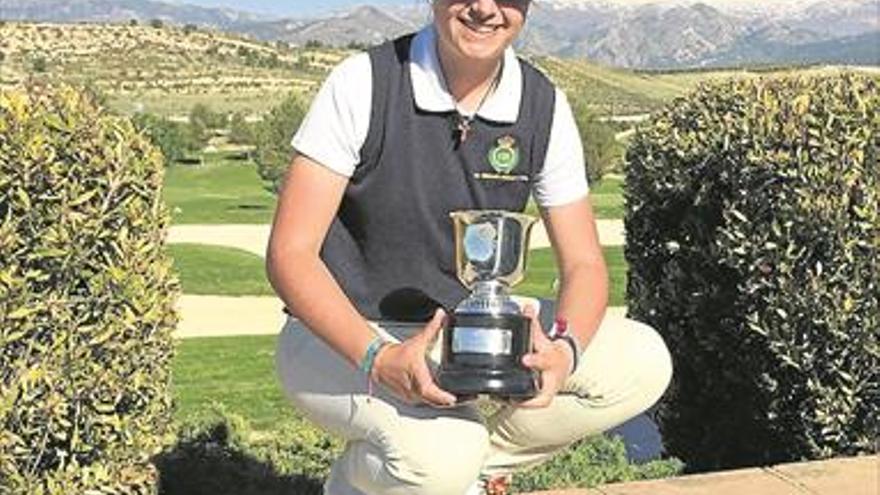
(429, 87)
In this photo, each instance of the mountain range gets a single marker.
(647, 34)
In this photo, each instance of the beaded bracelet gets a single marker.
(369, 360)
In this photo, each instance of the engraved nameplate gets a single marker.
(482, 340)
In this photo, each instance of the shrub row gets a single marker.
(753, 240)
(86, 298)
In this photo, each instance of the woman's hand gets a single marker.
(552, 359)
(402, 367)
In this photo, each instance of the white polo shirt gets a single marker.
(335, 127)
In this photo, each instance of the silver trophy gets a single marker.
(487, 335)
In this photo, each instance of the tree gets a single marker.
(39, 64)
(273, 61)
(303, 63)
(176, 140)
(240, 131)
(202, 115)
(272, 139)
(602, 152)
(156, 23)
(357, 45)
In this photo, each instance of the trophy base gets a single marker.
(514, 384)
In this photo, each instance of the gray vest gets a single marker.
(391, 246)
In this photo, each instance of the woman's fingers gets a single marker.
(429, 391)
(539, 338)
(543, 399)
(538, 361)
(537, 358)
(413, 380)
(432, 328)
(548, 359)
(426, 386)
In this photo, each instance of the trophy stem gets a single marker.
(489, 297)
(491, 289)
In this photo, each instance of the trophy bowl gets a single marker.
(487, 335)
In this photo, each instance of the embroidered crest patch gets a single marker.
(504, 156)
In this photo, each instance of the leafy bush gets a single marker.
(219, 454)
(602, 152)
(590, 462)
(753, 240)
(86, 298)
(178, 141)
(272, 138)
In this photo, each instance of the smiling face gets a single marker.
(478, 30)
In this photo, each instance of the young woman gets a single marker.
(361, 253)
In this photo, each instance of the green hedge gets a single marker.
(86, 298)
(753, 240)
(590, 462)
(219, 453)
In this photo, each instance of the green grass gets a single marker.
(215, 270)
(171, 104)
(230, 191)
(606, 197)
(541, 272)
(237, 372)
(220, 191)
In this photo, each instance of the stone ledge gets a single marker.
(842, 476)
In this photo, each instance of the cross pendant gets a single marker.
(463, 128)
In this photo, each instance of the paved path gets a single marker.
(217, 316)
(843, 476)
(253, 238)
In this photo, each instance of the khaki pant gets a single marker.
(396, 448)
